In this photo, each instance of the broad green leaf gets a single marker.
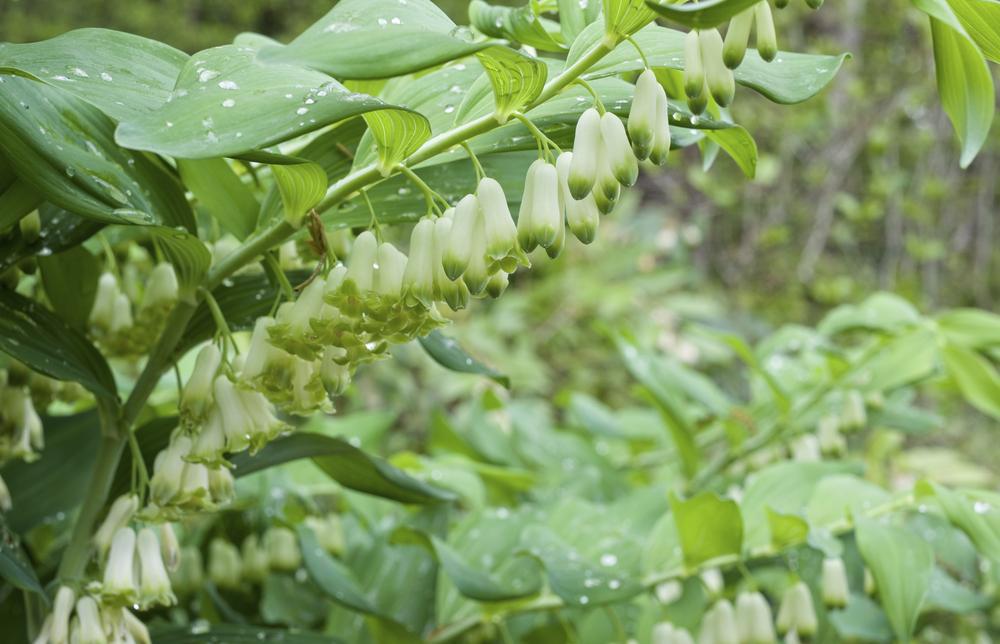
(439, 95)
(121, 74)
(449, 354)
(48, 489)
(901, 563)
(228, 103)
(842, 496)
(790, 78)
(44, 342)
(17, 199)
(472, 582)
(964, 80)
(946, 594)
(972, 328)
(516, 79)
(362, 39)
(750, 359)
(70, 281)
(392, 136)
(575, 15)
(236, 634)
(786, 529)
(708, 527)
(884, 312)
(64, 149)
(301, 185)
(334, 578)
(186, 252)
(345, 464)
(222, 194)
(975, 518)
(862, 620)
(285, 600)
(976, 377)
(981, 19)
(625, 17)
(907, 358)
(702, 14)
(520, 24)
(591, 414)
(60, 230)
(738, 144)
(14, 565)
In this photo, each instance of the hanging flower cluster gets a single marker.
(112, 321)
(749, 622)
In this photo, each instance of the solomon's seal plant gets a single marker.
(201, 252)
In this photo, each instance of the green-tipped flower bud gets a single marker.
(694, 69)
(767, 39)
(780, 4)
(225, 568)
(458, 250)
(261, 353)
(391, 263)
(834, 583)
(119, 571)
(154, 584)
(796, 613)
(168, 470)
(814, 4)
(162, 288)
(210, 441)
(454, 293)
(497, 284)
(221, 485)
(642, 115)
(418, 280)
(699, 104)
(555, 249)
(606, 203)
(360, 266)
(247, 416)
(31, 227)
(500, 230)
(121, 512)
(194, 486)
(737, 38)
(282, 549)
(88, 617)
(62, 608)
(197, 393)
(753, 619)
(718, 626)
(616, 149)
(255, 562)
(103, 311)
(540, 217)
(478, 272)
(170, 548)
(588, 149)
(661, 131)
(718, 78)
(581, 214)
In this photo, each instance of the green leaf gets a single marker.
(901, 563)
(574, 16)
(70, 281)
(792, 78)
(971, 328)
(981, 19)
(471, 582)
(708, 526)
(219, 190)
(450, 355)
(946, 594)
(625, 17)
(14, 565)
(520, 24)
(334, 578)
(17, 199)
(44, 342)
(885, 312)
(516, 79)
(738, 144)
(703, 14)
(63, 148)
(842, 496)
(750, 359)
(786, 529)
(236, 634)
(121, 74)
(364, 39)
(392, 135)
(48, 489)
(301, 185)
(907, 358)
(186, 252)
(964, 80)
(60, 230)
(976, 378)
(228, 103)
(976, 519)
(345, 464)
(862, 620)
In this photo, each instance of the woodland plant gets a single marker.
(243, 205)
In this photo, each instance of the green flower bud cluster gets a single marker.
(89, 621)
(21, 435)
(112, 321)
(179, 487)
(134, 571)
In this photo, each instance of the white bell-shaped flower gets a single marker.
(718, 78)
(478, 273)
(256, 564)
(587, 151)
(225, 568)
(307, 306)
(836, 590)
(458, 250)
(197, 393)
(168, 470)
(418, 279)
(734, 47)
(694, 69)
(162, 288)
(194, 485)
(154, 584)
(540, 216)
(617, 150)
(767, 38)
(221, 485)
(661, 134)
(361, 265)
(335, 279)
(391, 267)
(282, 549)
(103, 310)
(210, 442)
(642, 115)
(753, 619)
(718, 625)
(121, 315)
(90, 628)
(499, 226)
(796, 612)
(497, 284)
(582, 215)
(170, 548)
(119, 571)
(135, 628)
(261, 353)
(62, 609)
(119, 515)
(453, 292)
